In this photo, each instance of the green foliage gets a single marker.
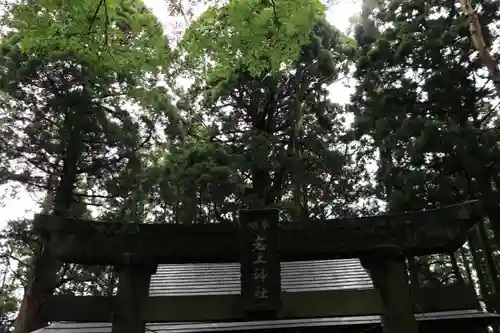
(88, 59)
(404, 103)
(111, 35)
(261, 35)
(67, 130)
(422, 100)
(14, 254)
(281, 131)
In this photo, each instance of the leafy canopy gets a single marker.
(260, 35)
(110, 35)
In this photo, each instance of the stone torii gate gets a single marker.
(259, 242)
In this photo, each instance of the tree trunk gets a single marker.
(474, 245)
(42, 275)
(479, 43)
(490, 204)
(491, 265)
(481, 270)
(456, 269)
(468, 270)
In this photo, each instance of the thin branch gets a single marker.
(106, 24)
(101, 2)
(489, 114)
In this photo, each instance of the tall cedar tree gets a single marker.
(64, 119)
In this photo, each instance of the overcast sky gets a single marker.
(339, 14)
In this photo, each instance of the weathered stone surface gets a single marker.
(416, 233)
(260, 262)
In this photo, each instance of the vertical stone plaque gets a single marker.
(260, 264)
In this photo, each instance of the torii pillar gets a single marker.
(390, 279)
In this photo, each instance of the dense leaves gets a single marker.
(67, 130)
(101, 33)
(426, 104)
(259, 35)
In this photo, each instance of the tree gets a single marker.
(283, 136)
(424, 104)
(481, 44)
(258, 35)
(9, 278)
(66, 129)
(402, 104)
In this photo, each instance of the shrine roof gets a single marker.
(220, 279)
(259, 325)
(224, 279)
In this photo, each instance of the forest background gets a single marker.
(22, 203)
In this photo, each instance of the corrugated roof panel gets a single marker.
(316, 322)
(76, 328)
(212, 279)
(256, 325)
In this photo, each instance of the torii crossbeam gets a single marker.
(107, 243)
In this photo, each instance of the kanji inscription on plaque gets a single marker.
(260, 265)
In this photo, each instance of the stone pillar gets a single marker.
(133, 290)
(390, 278)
